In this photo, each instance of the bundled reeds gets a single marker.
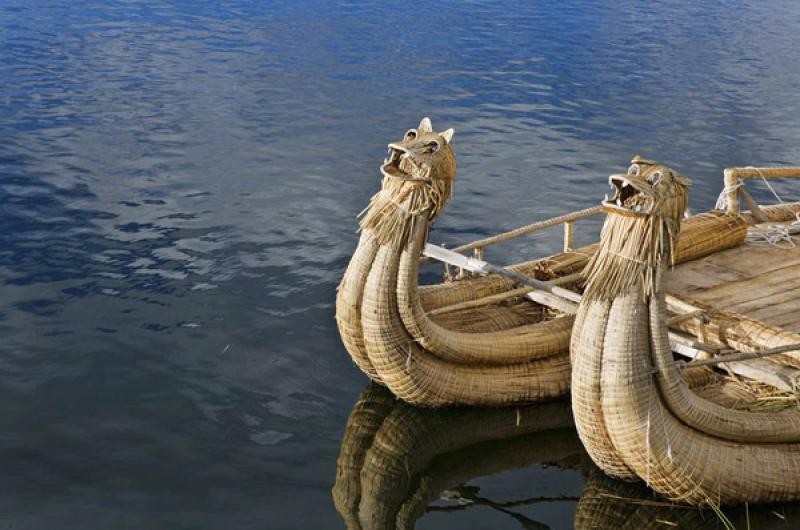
(634, 411)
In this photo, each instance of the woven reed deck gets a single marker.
(762, 282)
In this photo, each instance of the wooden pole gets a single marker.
(528, 229)
(567, 301)
(496, 298)
(569, 229)
(740, 356)
(733, 176)
(483, 267)
(731, 180)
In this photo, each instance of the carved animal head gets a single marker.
(418, 177)
(422, 154)
(648, 189)
(640, 232)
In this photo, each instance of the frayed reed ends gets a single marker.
(631, 251)
(391, 213)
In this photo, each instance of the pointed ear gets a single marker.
(425, 126)
(447, 135)
(686, 181)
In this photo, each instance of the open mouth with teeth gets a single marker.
(403, 164)
(630, 197)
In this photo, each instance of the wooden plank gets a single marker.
(759, 302)
(788, 317)
(701, 275)
(776, 314)
(793, 325)
(743, 268)
(754, 260)
(737, 292)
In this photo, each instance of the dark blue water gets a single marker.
(179, 182)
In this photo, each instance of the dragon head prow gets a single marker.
(418, 177)
(422, 154)
(640, 232)
(648, 189)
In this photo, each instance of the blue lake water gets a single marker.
(179, 183)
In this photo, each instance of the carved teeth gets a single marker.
(606, 199)
(619, 202)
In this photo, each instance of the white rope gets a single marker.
(722, 200)
(774, 235)
(771, 234)
(760, 174)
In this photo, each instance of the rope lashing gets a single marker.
(773, 234)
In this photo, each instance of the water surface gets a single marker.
(179, 182)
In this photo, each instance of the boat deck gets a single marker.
(757, 280)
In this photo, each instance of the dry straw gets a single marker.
(634, 411)
(489, 355)
(506, 353)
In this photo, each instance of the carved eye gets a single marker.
(634, 170)
(655, 177)
(433, 147)
(411, 134)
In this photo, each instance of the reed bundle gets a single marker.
(634, 411)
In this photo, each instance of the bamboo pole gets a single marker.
(739, 356)
(484, 267)
(531, 228)
(496, 298)
(686, 316)
(734, 175)
(777, 375)
(755, 210)
(569, 229)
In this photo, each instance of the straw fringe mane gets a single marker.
(389, 218)
(617, 266)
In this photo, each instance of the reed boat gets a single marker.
(492, 335)
(634, 410)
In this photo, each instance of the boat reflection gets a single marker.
(611, 503)
(396, 461)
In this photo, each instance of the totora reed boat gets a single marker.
(634, 410)
(497, 336)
